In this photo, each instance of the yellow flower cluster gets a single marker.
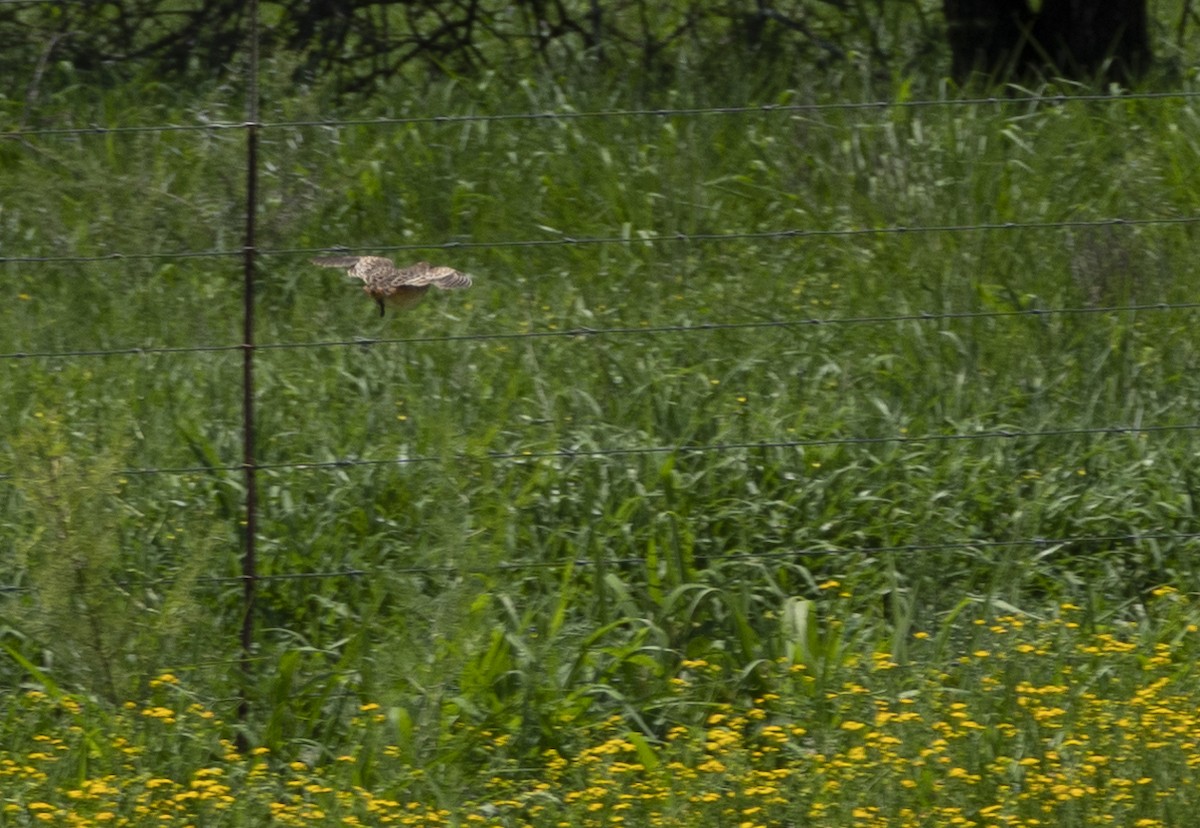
(1016, 723)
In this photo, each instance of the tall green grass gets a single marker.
(560, 524)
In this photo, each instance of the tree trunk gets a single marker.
(987, 36)
(1084, 40)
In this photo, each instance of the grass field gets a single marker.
(675, 518)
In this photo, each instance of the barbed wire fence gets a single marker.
(250, 253)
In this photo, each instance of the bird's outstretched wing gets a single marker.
(423, 273)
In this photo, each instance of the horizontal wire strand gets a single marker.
(625, 451)
(627, 330)
(612, 114)
(739, 557)
(815, 550)
(678, 237)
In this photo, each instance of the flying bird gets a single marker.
(400, 287)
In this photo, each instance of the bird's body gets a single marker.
(399, 287)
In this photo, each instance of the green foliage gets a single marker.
(85, 614)
(730, 461)
(1067, 718)
(363, 48)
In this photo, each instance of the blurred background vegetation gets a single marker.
(709, 416)
(361, 45)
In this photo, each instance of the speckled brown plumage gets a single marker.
(399, 287)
